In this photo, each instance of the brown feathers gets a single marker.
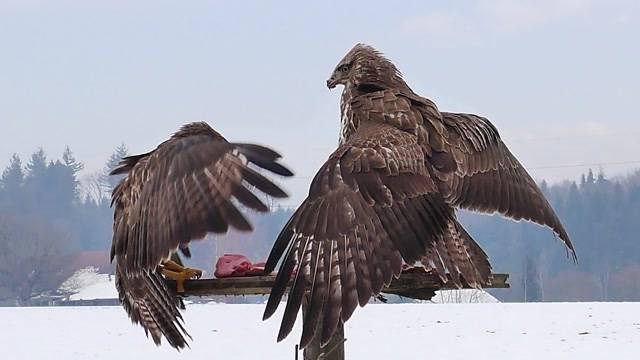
(488, 178)
(387, 195)
(151, 304)
(371, 205)
(179, 192)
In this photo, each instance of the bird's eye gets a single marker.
(344, 68)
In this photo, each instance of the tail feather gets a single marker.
(457, 254)
(149, 302)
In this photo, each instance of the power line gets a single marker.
(604, 163)
(547, 138)
(293, 207)
(584, 164)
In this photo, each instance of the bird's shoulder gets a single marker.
(159, 162)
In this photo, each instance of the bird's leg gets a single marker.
(179, 273)
(172, 265)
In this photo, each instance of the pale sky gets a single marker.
(560, 79)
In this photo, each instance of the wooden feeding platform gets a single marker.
(414, 283)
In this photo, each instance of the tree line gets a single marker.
(48, 216)
(601, 216)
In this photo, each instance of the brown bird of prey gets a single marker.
(388, 194)
(179, 192)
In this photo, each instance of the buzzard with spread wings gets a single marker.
(190, 185)
(388, 195)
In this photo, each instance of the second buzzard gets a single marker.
(176, 193)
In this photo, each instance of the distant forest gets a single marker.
(52, 224)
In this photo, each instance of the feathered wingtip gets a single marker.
(264, 157)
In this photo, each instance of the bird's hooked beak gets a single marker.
(332, 82)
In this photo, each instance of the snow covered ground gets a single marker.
(378, 331)
(102, 288)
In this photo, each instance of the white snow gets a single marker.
(378, 331)
(88, 284)
(463, 296)
(457, 324)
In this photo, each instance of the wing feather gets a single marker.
(317, 297)
(349, 237)
(490, 179)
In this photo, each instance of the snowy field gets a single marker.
(378, 331)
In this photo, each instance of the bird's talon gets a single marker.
(180, 274)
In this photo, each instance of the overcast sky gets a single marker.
(560, 79)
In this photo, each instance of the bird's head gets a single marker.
(364, 65)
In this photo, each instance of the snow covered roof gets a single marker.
(88, 284)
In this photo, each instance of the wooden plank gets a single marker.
(416, 285)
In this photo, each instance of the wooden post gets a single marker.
(334, 350)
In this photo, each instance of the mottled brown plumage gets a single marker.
(388, 194)
(176, 193)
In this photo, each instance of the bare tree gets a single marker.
(92, 188)
(109, 182)
(30, 256)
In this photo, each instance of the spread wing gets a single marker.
(488, 178)
(371, 205)
(181, 191)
